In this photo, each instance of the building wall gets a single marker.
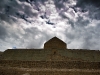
(51, 64)
(51, 54)
(54, 49)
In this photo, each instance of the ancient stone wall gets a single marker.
(54, 49)
(88, 55)
(51, 64)
(56, 54)
(1, 54)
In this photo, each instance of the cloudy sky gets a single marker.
(30, 23)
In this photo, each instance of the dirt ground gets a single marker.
(46, 71)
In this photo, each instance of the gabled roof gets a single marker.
(55, 39)
(55, 43)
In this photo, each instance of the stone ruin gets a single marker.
(54, 59)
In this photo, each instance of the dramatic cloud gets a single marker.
(30, 23)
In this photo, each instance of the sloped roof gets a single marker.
(55, 39)
(55, 43)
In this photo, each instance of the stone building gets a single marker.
(54, 49)
(54, 59)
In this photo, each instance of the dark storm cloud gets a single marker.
(63, 15)
(12, 11)
(81, 29)
(33, 1)
(82, 3)
(5, 10)
(9, 9)
(50, 23)
(81, 22)
(3, 32)
(86, 34)
(23, 16)
(93, 6)
(33, 20)
(60, 3)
